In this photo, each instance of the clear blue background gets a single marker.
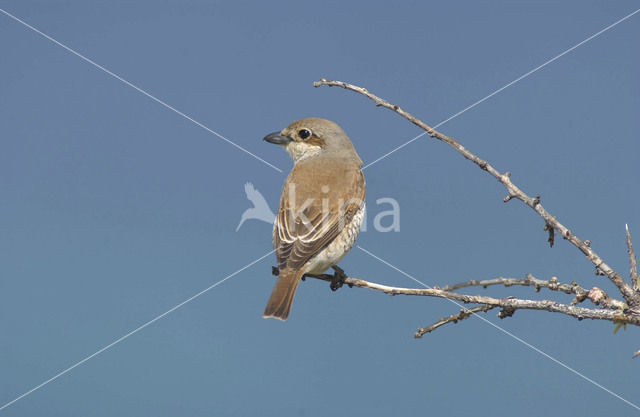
(113, 209)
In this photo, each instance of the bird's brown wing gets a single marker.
(328, 211)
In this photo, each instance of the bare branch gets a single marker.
(508, 305)
(631, 297)
(633, 272)
(595, 295)
(463, 314)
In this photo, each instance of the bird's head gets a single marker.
(314, 137)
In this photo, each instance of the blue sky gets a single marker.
(114, 209)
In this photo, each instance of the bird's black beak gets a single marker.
(277, 138)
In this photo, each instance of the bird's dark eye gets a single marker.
(304, 133)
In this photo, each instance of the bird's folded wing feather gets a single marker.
(296, 240)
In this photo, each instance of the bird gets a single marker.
(260, 209)
(321, 207)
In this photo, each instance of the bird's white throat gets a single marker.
(299, 150)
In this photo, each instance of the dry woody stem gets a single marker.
(633, 272)
(626, 310)
(608, 308)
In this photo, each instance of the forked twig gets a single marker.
(605, 307)
(631, 297)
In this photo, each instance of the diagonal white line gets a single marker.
(152, 97)
(394, 150)
(508, 333)
(520, 78)
(134, 331)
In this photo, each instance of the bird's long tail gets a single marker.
(279, 303)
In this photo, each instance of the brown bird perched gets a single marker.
(321, 207)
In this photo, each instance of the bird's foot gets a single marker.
(275, 271)
(324, 277)
(338, 278)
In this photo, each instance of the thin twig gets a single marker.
(595, 294)
(631, 297)
(633, 272)
(463, 314)
(508, 305)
